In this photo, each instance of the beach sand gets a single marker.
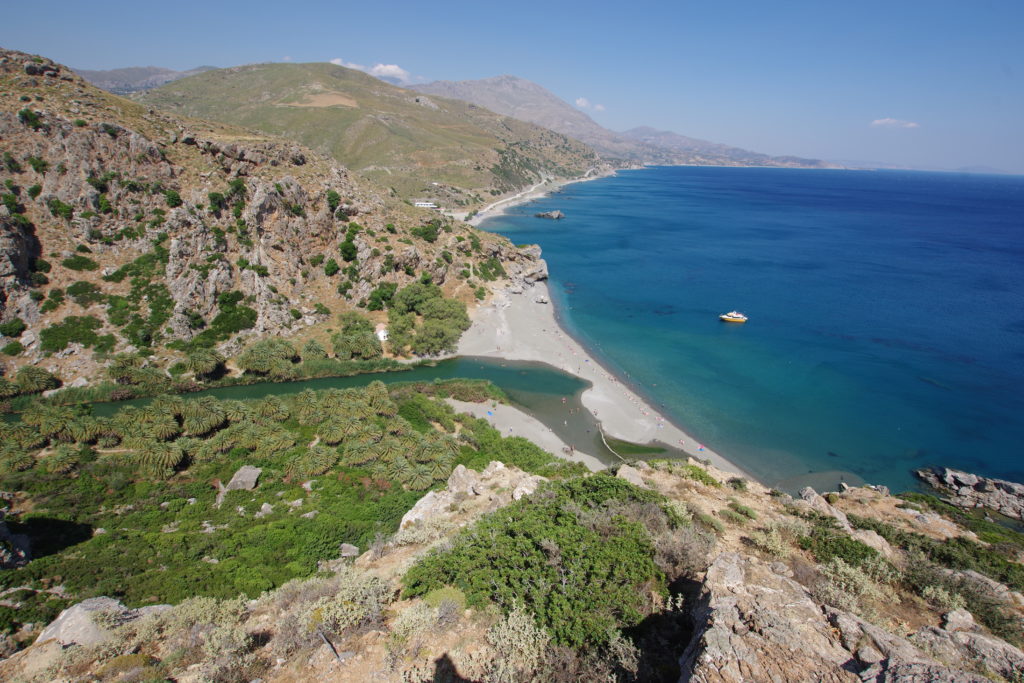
(514, 422)
(539, 190)
(517, 327)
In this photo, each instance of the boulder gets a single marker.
(983, 651)
(631, 475)
(349, 550)
(75, 625)
(555, 215)
(245, 478)
(463, 481)
(958, 620)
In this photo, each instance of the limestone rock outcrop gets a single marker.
(753, 624)
(496, 483)
(971, 491)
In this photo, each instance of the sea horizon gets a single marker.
(747, 390)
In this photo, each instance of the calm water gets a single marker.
(886, 311)
(536, 388)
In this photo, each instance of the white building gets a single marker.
(425, 205)
(382, 332)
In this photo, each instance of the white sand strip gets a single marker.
(516, 327)
(539, 190)
(514, 422)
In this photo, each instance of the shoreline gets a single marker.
(517, 327)
(541, 189)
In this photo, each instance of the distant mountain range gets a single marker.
(135, 78)
(528, 101)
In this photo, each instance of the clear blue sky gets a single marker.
(942, 80)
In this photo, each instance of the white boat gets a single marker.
(733, 317)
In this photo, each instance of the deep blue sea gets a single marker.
(886, 311)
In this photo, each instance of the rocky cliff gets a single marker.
(115, 210)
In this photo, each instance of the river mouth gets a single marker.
(543, 391)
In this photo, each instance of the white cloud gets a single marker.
(582, 103)
(286, 59)
(387, 72)
(894, 123)
(598, 107)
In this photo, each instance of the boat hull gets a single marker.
(728, 319)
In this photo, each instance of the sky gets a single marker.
(922, 83)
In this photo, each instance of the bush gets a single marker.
(30, 118)
(79, 262)
(13, 327)
(80, 329)
(573, 553)
(38, 165)
(358, 602)
(697, 473)
(519, 647)
(845, 586)
(59, 209)
(172, 198)
(13, 349)
(331, 268)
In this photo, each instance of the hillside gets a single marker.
(436, 149)
(528, 101)
(134, 78)
(125, 229)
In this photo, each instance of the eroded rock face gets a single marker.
(754, 624)
(970, 491)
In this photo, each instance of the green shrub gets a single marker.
(331, 268)
(172, 198)
(12, 349)
(742, 510)
(78, 262)
(78, 123)
(59, 209)
(13, 327)
(35, 190)
(80, 329)
(38, 165)
(697, 473)
(576, 554)
(30, 118)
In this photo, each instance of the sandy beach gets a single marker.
(518, 327)
(539, 190)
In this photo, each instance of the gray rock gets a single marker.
(349, 550)
(245, 478)
(977, 648)
(264, 510)
(555, 215)
(968, 490)
(958, 620)
(631, 475)
(464, 481)
(75, 625)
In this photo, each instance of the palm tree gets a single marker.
(160, 455)
(389, 448)
(357, 454)
(273, 408)
(122, 367)
(359, 409)
(306, 407)
(85, 429)
(203, 362)
(32, 380)
(202, 415)
(399, 469)
(237, 411)
(320, 459)
(63, 460)
(8, 389)
(333, 430)
(25, 436)
(420, 478)
(14, 459)
(168, 404)
(160, 425)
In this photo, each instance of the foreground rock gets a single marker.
(754, 624)
(968, 490)
(78, 624)
(497, 483)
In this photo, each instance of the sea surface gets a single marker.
(886, 311)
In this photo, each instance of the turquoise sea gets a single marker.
(886, 311)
